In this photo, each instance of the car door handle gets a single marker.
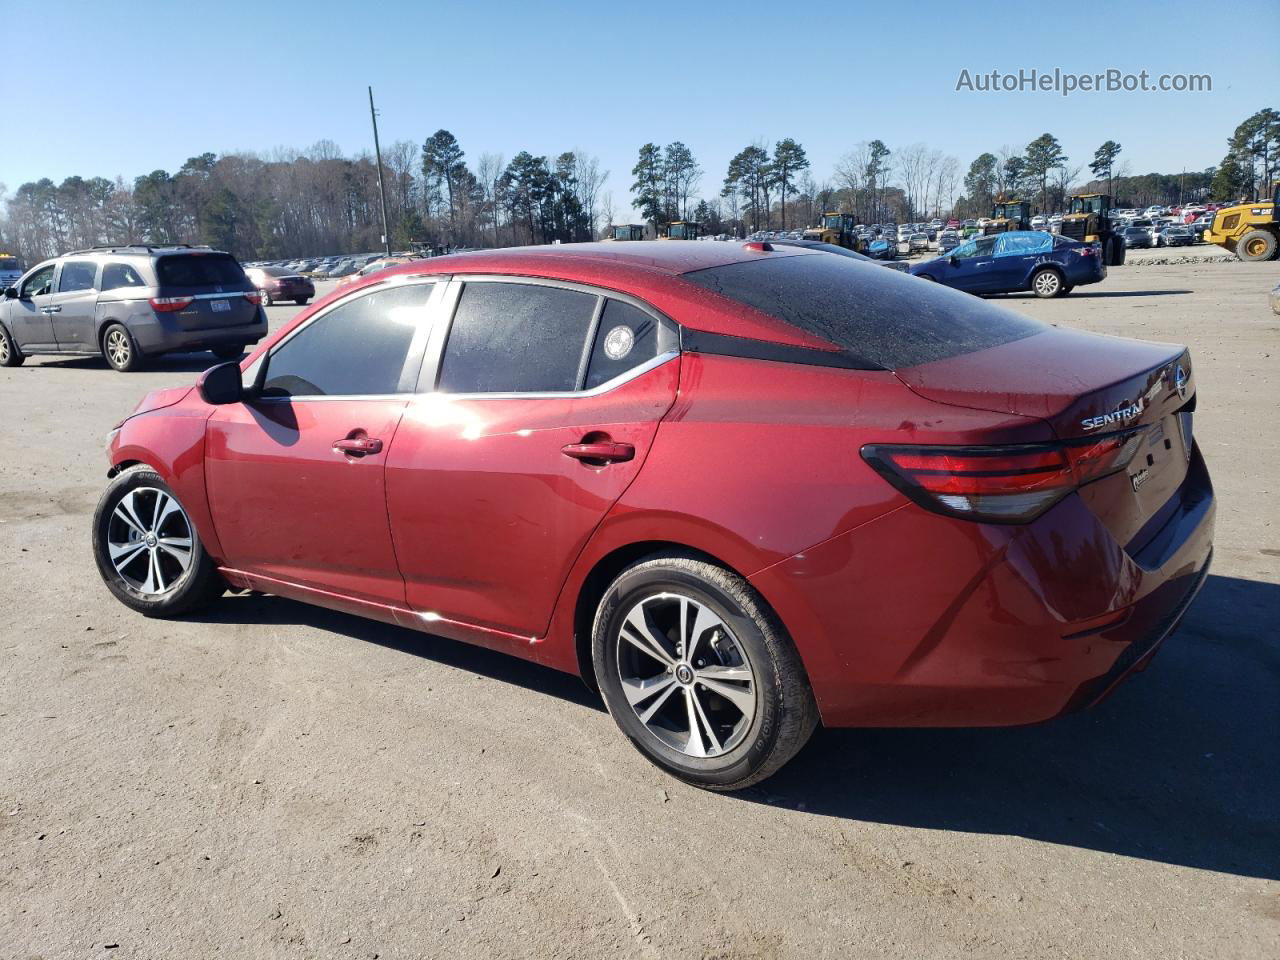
(50, 309)
(608, 451)
(358, 446)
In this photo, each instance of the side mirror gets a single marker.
(221, 385)
(11, 293)
(952, 260)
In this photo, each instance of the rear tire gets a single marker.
(233, 352)
(1047, 283)
(1256, 246)
(120, 349)
(147, 549)
(10, 355)
(740, 684)
(302, 301)
(265, 298)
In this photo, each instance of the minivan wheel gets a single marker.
(120, 349)
(147, 549)
(699, 674)
(1047, 283)
(230, 352)
(10, 355)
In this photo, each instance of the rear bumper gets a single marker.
(915, 619)
(159, 336)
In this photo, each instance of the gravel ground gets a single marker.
(274, 780)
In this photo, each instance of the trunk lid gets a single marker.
(1087, 385)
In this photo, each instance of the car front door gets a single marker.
(536, 417)
(29, 319)
(73, 305)
(296, 477)
(968, 265)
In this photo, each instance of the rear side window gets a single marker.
(516, 338)
(77, 275)
(356, 349)
(117, 275)
(626, 338)
(890, 319)
(199, 270)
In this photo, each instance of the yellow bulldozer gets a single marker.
(1008, 215)
(837, 228)
(1088, 219)
(1249, 230)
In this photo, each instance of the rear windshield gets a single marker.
(199, 270)
(888, 318)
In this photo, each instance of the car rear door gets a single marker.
(73, 305)
(535, 419)
(296, 477)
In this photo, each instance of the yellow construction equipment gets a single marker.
(1088, 220)
(683, 230)
(837, 228)
(627, 231)
(1249, 230)
(1008, 215)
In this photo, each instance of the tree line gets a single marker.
(297, 203)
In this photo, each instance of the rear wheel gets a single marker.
(10, 355)
(1117, 252)
(265, 297)
(147, 549)
(698, 673)
(1256, 245)
(120, 349)
(301, 301)
(232, 352)
(1046, 283)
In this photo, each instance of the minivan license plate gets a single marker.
(220, 306)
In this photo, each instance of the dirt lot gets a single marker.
(274, 780)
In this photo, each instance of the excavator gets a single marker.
(1088, 220)
(1249, 230)
(1009, 215)
(837, 228)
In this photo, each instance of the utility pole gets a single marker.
(382, 192)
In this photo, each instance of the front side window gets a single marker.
(39, 283)
(516, 338)
(118, 275)
(77, 275)
(358, 348)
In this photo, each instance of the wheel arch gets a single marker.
(603, 572)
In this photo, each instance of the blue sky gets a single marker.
(125, 88)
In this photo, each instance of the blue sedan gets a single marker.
(1045, 264)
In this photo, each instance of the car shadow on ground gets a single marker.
(260, 609)
(1093, 294)
(196, 362)
(1181, 765)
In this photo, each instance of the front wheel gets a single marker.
(1256, 245)
(1047, 283)
(147, 549)
(699, 674)
(10, 355)
(265, 298)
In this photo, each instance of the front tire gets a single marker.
(120, 349)
(699, 674)
(266, 298)
(1047, 283)
(147, 549)
(1256, 245)
(10, 355)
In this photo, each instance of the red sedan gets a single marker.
(743, 490)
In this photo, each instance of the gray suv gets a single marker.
(130, 302)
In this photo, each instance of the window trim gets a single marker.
(256, 372)
(429, 381)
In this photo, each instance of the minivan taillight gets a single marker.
(254, 297)
(170, 304)
(1000, 484)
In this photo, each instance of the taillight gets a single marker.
(170, 304)
(254, 297)
(999, 484)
